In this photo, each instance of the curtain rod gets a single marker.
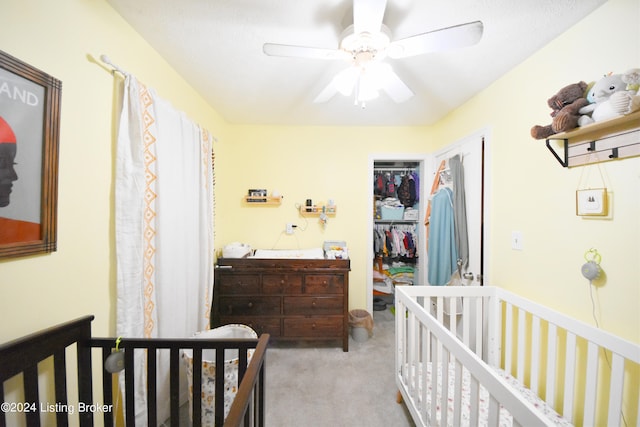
(107, 60)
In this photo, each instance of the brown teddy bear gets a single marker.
(565, 105)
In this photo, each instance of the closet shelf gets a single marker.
(598, 142)
(263, 200)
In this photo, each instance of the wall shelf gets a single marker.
(263, 200)
(598, 142)
(317, 210)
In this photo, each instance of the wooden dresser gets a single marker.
(291, 299)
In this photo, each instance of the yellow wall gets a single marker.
(319, 163)
(57, 37)
(529, 191)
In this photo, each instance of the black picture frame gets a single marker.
(30, 102)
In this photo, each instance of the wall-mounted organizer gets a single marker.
(598, 142)
(259, 197)
(263, 200)
(317, 210)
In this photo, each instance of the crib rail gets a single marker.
(22, 356)
(587, 375)
(425, 343)
(248, 406)
(151, 348)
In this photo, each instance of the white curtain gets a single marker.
(164, 228)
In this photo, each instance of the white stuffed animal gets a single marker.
(628, 101)
(601, 109)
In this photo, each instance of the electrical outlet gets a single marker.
(516, 240)
(289, 228)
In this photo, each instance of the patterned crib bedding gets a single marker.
(506, 420)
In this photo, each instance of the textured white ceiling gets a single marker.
(216, 45)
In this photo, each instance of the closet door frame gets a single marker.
(423, 161)
(427, 170)
(481, 136)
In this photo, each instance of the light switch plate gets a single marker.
(516, 240)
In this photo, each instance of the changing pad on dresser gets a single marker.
(312, 253)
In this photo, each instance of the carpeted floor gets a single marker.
(317, 384)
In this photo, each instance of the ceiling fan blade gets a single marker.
(438, 40)
(327, 93)
(393, 85)
(274, 49)
(367, 15)
(343, 82)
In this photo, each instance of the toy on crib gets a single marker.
(565, 105)
(609, 98)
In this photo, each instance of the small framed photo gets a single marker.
(261, 192)
(592, 202)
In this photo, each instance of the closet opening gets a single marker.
(465, 170)
(397, 250)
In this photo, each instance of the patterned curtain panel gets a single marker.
(164, 228)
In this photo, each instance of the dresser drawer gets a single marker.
(238, 284)
(282, 283)
(262, 325)
(249, 306)
(311, 306)
(313, 327)
(290, 299)
(324, 284)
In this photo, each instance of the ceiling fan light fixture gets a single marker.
(366, 88)
(345, 80)
(373, 45)
(366, 43)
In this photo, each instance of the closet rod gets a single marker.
(398, 169)
(107, 60)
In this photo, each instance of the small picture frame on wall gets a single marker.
(29, 132)
(592, 202)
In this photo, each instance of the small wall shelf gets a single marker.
(317, 210)
(263, 200)
(598, 142)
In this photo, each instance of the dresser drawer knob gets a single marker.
(250, 305)
(313, 303)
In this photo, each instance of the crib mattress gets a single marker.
(506, 420)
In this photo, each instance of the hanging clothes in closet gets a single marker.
(395, 254)
(396, 190)
(395, 240)
(446, 224)
(400, 184)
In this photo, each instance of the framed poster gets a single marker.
(29, 133)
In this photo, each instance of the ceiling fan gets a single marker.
(366, 43)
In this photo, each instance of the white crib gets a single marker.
(464, 355)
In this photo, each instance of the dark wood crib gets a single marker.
(47, 357)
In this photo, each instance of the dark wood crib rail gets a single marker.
(22, 356)
(248, 407)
